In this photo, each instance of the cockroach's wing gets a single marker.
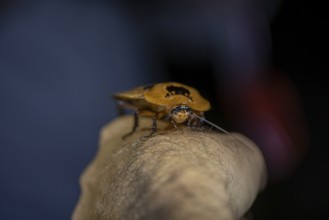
(172, 94)
(134, 98)
(132, 94)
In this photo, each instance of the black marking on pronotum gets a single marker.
(177, 90)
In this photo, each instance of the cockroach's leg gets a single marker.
(174, 123)
(196, 121)
(136, 123)
(191, 120)
(200, 122)
(120, 108)
(154, 126)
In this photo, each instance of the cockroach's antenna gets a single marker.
(210, 123)
(221, 129)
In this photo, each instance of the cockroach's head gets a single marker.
(181, 113)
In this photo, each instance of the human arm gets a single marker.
(174, 174)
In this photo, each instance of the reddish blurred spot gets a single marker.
(271, 115)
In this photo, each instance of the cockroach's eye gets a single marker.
(186, 108)
(180, 109)
(174, 111)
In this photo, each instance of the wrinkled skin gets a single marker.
(179, 173)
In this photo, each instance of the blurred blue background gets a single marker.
(258, 62)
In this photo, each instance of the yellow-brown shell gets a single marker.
(168, 94)
(173, 94)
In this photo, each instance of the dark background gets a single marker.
(298, 50)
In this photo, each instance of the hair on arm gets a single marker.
(180, 173)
